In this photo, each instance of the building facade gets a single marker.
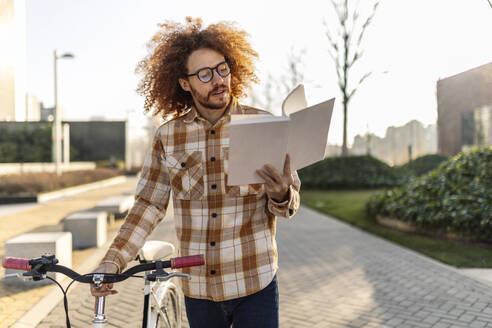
(13, 100)
(400, 144)
(463, 106)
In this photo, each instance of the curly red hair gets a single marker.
(169, 50)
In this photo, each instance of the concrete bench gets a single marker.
(33, 245)
(88, 228)
(115, 206)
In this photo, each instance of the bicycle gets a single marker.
(161, 296)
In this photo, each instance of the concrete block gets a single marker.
(88, 228)
(115, 204)
(33, 245)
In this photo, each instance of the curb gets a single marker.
(47, 303)
(46, 196)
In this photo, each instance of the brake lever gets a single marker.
(169, 276)
(22, 276)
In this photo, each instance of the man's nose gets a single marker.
(217, 79)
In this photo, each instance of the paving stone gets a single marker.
(432, 319)
(466, 318)
(333, 275)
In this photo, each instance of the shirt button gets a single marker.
(212, 131)
(183, 164)
(212, 159)
(212, 243)
(212, 271)
(214, 215)
(214, 186)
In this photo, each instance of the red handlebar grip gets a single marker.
(16, 263)
(187, 261)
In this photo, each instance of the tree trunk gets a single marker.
(344, 145)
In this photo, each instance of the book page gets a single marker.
(251, 146)
(255, 118)
(308, 134)
(295, 101)
(242, 117)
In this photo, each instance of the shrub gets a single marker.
(351, 172)
(455, 197)
(30, 184)
(423, 164)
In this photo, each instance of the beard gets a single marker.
(208, 101)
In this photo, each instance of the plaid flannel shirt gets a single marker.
(233, 226)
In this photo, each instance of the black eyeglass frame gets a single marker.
(212, 69)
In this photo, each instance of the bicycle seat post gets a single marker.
(99, 316)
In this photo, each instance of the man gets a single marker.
(196, 75)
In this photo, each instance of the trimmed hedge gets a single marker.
(455, 197)
(351, 172)
(21, 143)
(30, 184)
(423, 165)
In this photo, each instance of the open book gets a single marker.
(256, 140)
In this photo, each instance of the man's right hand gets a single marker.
(106, 289)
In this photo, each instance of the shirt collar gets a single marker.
(233, 108)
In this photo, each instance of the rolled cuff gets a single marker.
(115, 257)
(287, 208)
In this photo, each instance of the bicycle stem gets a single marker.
(99, 316)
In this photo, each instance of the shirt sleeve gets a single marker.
(289, 207)
(151, 201)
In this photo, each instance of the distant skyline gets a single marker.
(416, 42)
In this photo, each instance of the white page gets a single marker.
(251, 146)
(252, 119)
(308, 134)
(242, 117)
(295, 101)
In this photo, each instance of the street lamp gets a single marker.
(57, 146)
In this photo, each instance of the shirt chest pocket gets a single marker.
(186, 174)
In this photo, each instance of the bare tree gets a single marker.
(345, 50)
(292, 76)
(271, 85)
(295, 69)
(265, 97)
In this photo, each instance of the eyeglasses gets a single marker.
(206, 74)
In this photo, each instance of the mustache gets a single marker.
(219, 88)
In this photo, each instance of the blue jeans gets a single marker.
(255, 310)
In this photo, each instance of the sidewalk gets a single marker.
(16, 300)
(334, 275)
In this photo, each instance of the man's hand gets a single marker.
(106, 289)
(276, 185)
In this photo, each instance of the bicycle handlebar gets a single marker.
(41, 266)
(16, 264)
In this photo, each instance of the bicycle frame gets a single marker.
(156, 291)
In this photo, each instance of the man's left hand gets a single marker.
(276, 185)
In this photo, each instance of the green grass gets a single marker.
(349, 206)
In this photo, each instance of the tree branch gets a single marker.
(367, 23)
(490, 3)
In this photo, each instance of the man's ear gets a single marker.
(185, 84)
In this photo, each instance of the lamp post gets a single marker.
(57, 146)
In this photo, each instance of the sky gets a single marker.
(409, 46)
